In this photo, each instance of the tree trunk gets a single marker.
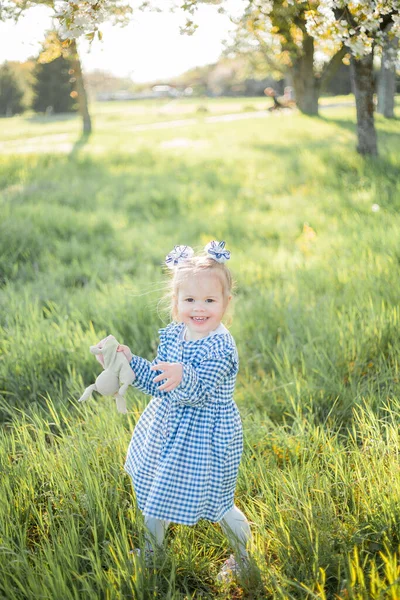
(387, 78)
(80, 89)
(306, 85)
(363, 83)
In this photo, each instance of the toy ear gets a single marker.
(100, 358)
(100, 344)
(98, 354)
(95, 349)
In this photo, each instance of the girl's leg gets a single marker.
(156, 530)
(237, 529)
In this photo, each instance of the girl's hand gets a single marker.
(172, 372)
(125, 349)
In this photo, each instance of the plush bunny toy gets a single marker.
(117, 374)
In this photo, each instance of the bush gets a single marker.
(53, 87)
(10, 92)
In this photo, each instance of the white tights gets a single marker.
(234, 524)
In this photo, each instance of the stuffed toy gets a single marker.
(117, 374)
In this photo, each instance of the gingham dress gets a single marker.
(185, 450)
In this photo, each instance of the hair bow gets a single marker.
(216, 251)
(178, 255)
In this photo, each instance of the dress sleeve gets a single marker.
(199, 383)
(141, 367)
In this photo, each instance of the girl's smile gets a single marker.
(201, 304)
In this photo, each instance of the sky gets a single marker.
(149, 48)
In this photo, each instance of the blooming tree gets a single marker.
(76, 18)
(279, 32)
(361, 26)
(293, 29)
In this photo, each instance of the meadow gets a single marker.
(314, 233)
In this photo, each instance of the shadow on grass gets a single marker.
(327, 151)
(79, 144)
(350, 125)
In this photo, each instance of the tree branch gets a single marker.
(331, 67)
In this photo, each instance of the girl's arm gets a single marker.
(141, 367)
(199, 383)
(144, 376)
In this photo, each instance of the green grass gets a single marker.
(84, 227)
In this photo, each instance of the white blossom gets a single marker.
(360, 30)
(80, 17)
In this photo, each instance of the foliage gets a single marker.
(358, 25)
(53, 86)
(23, 72)
(277, 29)
(86, 16)
(11, 93)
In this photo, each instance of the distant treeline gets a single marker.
(227, 77)
(50, 87)
(44, 87)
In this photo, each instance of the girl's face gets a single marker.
(201, 304)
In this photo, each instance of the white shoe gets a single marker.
(231, 569)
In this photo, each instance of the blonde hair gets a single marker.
(193, 266)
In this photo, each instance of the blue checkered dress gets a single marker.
(185, 450)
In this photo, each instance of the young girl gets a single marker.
(185, 450)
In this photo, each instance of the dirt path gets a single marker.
(62, 142)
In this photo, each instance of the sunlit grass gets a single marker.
(83, 233)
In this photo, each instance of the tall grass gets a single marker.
(82, 238)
